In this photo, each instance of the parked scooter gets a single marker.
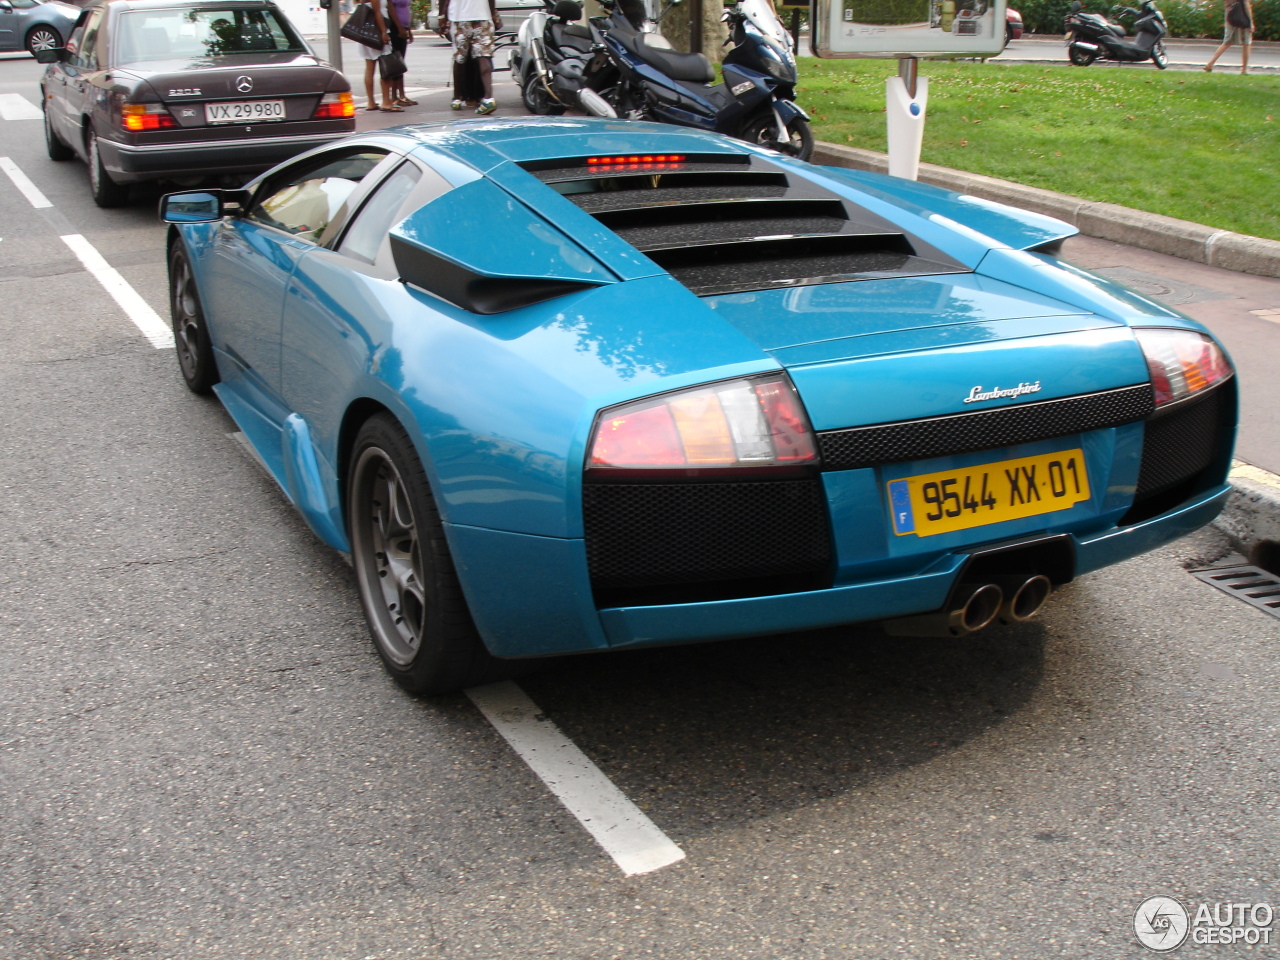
(1091, 36)
(654, 82)
(552, 57)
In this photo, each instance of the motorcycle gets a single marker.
(552, 59)
(652, 81)
(1091, 36)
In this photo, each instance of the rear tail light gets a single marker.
(1182, 362)
(757, 422)
(146, 116)
(335, 106)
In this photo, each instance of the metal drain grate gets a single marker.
(1251, 584)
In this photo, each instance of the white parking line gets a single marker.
(14, 106)
(24, 184)
(617, 824)
(131, 302)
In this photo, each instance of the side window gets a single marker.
(408, 188)
(76, 40)
(303, 200)
(371, 224)
(87, 54)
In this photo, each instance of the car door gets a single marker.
(252, 258)
(343, 301)
(76, 96)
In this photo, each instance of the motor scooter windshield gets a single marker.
(763, 18)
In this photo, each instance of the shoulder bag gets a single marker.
(362, 27)
(1238, 16)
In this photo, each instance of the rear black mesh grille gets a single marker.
(985, 430)
(1180, 444)
(646, 534)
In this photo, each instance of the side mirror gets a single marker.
(6, 6)
(52, 55)
(202, 207)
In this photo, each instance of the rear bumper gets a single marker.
(545, 607)
(130, 163)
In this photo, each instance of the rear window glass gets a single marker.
(176, 33)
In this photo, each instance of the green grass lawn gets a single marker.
(1197, 146)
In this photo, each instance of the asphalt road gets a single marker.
(200, 757)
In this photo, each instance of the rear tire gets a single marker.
(106, 192)
(1159, 56)
(762, 129)
(53, 144)
(1081, 58)
(537, 100)
(409, 589)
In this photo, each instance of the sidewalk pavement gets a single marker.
(1226, 281)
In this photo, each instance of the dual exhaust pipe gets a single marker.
(975, 606)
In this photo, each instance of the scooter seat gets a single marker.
(677, 66)
(570, 36)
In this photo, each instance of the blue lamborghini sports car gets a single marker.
(562, 385)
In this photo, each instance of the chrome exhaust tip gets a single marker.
(1023, 597)
(975, 607)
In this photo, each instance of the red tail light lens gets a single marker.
(758, 422)
(137, 117)
(1182, 362)
(335, 106)
(633, 162)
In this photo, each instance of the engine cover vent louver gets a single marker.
(726, 224)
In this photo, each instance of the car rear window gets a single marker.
(176, 33)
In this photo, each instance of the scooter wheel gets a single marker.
(538, 101)
(1159, 56)
(762, 128)
(1081, 58)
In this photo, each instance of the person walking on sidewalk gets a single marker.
(381, 17)
(1237, 28)
(471, 25)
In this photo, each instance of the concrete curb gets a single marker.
(1107, 221)
(1252, 515)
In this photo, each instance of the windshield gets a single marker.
(169, 34)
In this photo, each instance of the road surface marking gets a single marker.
(24, 184)
(131, 302)
(617, 824)
(14, 106)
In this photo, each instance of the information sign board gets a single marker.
(908, 28)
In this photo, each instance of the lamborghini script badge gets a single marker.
(998, 393)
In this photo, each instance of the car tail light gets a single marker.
(758, 422)
(637, 161)
(146, 116)
(1182, 362)
(335, 106)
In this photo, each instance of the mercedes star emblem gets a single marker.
(244, 84)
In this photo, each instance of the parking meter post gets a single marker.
(905, 98)
(335, 38)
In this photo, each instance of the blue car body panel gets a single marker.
(500, 407)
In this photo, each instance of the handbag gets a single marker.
(362, 27)
(391, 66)
(1238, 16)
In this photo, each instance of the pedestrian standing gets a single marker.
(371, 55)
(472, 24)
(1237, 28)
(402, 13)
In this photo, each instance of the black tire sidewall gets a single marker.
(205, 375)
(106, 192)
(450, 654)
(57, 37)
(54, 145)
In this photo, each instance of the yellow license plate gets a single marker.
(933, 503)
